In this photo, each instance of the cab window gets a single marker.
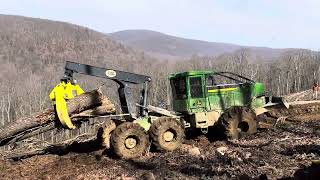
(196, 87)
(220, 80)
(179, 89)
(210, 81)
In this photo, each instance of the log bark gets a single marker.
(106, 106)
(88, 140)
(80, 104)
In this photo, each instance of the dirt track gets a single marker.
(274, 153)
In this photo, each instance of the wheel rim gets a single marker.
(130, 142)
(168, 136)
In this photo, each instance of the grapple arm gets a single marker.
(60, 94)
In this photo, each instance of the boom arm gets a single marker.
(121, 77)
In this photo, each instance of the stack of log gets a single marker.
(90, 104)
(307, 95)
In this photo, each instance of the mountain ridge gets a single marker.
(162, 45)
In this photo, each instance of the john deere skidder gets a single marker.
(201, 99)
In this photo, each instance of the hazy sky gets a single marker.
(272, 23)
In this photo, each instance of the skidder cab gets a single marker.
(206, 98)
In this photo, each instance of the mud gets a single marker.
(284, 152)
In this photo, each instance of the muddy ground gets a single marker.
(283, 152)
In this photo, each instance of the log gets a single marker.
(87, 101)
(106, 106)
(89, 140)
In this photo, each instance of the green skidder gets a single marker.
(206, 98)
(201, 100)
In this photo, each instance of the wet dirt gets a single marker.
(283, 152)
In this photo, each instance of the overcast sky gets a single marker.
(272, 23)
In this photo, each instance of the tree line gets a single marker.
(25, 90)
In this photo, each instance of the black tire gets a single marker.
(107, 129)
(129, 131)
(238, 122)
(163, 126)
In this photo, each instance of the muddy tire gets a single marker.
(166, 133)
(107, 129)
(238, 122)
(129, 140)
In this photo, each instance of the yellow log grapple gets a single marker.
(60, 94)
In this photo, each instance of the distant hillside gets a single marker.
(37, 41)
(166, 46)
(32, 57)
